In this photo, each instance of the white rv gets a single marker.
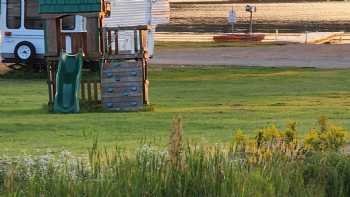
(22, 35)
(21, 30)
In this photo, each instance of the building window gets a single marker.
(68, 23)
(13, 14)
(32, 19)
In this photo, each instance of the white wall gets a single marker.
(137, 12)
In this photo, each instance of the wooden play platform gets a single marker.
(123, 83)
(124, 78)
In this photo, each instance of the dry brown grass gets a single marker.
(175, 142)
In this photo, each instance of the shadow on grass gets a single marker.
(93, 107)
(23, 74)
(16, 112)
(31, 74)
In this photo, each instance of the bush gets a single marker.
(328, 137)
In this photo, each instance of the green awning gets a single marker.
(69, 6)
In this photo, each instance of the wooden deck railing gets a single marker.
(111, 42)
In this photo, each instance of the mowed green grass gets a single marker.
(213, 102)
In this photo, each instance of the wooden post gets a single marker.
(116, 42)
(106, 48)
(52, 50)
(109, 35)
(82, 90)
(136, 42)
(95, 90)
(54, 65)
(51, 80)
(93, 43)
(49, 85)
(52, 37)
(89, 90)
(143, 47)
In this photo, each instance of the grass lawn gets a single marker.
(213, 103)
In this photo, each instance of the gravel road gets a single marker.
(295, 55)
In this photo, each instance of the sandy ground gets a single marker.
(295, 55)
(283, 12)
(286, 17)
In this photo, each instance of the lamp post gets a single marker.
(250, 9)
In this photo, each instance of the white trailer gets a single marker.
(21, 30)
(22, 34)
(135, 13)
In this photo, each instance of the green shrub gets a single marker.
(328, 172)
(328, 137)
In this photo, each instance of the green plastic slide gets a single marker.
(68, 83)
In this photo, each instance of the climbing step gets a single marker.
(122, 85)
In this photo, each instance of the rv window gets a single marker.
(68, 22)
(13, 16)
(32, 18)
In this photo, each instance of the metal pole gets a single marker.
(232, 24)
(251, 23)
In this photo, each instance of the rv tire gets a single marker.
(24, 52)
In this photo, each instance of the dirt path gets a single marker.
(298, 55)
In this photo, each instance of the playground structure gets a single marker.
(22, 42)
(124, 78)
(123, 82)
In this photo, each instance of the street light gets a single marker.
(250, 9)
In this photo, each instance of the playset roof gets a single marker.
(69, 6)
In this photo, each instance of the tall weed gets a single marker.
(274, 163)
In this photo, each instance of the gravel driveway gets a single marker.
(295, 55)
